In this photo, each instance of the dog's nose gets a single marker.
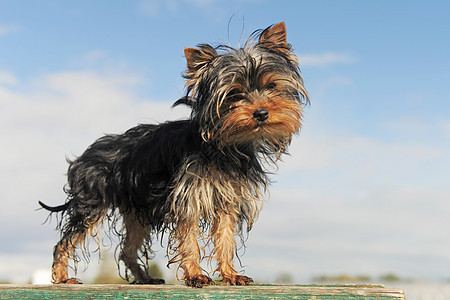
(261, 114)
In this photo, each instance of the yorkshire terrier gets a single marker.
(201, 180)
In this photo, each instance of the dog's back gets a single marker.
(133, 170)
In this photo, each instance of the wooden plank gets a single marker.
(87, 291)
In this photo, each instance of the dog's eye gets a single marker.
(270, 86)
(235, 95)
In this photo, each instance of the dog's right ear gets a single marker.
(199, 58)
(274, 38)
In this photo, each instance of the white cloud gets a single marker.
(324, 152)
(316, 230)
(4, 30)
(7, 78)
(447, 129)
(61, 106)
(419, 128)
(91, 59)
(325, 59)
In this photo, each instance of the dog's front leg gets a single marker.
(223, 233)
(188, 254)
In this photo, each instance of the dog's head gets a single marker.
(251, 95)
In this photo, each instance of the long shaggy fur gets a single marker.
(199, 178)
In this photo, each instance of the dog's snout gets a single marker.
(261, 114)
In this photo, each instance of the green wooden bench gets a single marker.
(87, 291)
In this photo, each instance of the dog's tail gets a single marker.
(54, 208)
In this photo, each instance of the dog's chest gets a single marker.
(202, 190)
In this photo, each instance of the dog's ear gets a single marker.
(198, 58)
(275, 38)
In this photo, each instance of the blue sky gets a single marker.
(365, 190)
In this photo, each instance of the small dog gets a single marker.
(199, 179)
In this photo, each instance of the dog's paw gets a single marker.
(198, 281)
(157, 281)
(70, 281)
(237, 280)
(149, 280)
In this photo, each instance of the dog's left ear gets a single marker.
(198, 58)
(274, 38)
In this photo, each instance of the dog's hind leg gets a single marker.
(134, 239)
(74, 233)
(61, 254)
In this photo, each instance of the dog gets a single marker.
(199, 179)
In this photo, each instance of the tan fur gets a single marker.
(188, 251)
(223, 235)
(61, 254)
(201, 190)
(65, 250)
(284, 122)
